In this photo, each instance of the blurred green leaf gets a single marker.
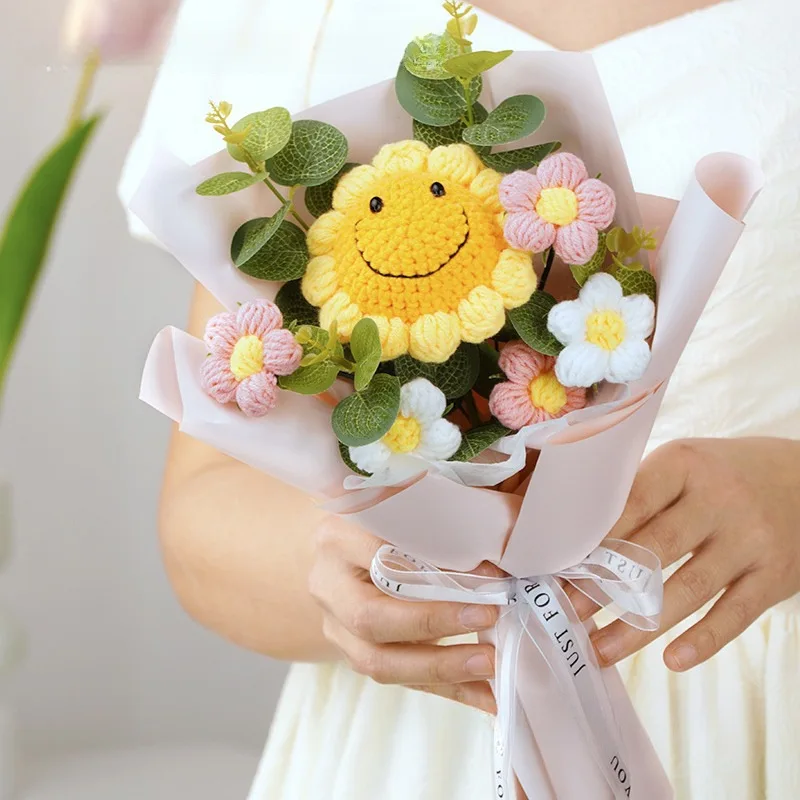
(294, 307)
(582, 272)
(227, 183)
(530, 322)
(523, 158)
(425, 57)
(268, 133)
(475, 441)
(636, 281)
(515, 118)
(365, 345)
(470, 65)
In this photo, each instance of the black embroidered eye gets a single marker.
(437, 190)
(375, 205)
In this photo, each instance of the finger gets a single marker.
(697, 582)
(584, 606)
(477, 695)
(730, 616)
(340, 540)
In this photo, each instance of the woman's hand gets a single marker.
(391, 640)
(735, 505)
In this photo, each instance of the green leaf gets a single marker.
(315, 379)
(434, 136)
(474, 442)
(25, 241)
(344, 452)
(284, 257)
(269, 132)
(364, 417)
(314, 154)
(489, 369)
(319, 199)
(434, 103)
(636, 281)
(513, 119)
(254, 234)
(294, 307)
(582, 273)
(470, 65)
(227, 183)
(455, 377)
(530, 322)
(523, 158)
(425, 57)
(365, 345)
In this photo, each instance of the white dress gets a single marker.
(724, 78)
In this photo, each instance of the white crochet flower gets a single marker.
(604, 334)
(419, 431)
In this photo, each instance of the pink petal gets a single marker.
(282, 353)
(577, 242)
(528, 231)
(257, 395)
(217, 379)
(222, 333)
(562, 169)
(258, 318)
(519, 191)
(576, 398)
(597, 203)
(521, 364)
(511, 404)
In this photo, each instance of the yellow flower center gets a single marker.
(404, 435)
(558, 206)
(606, 329)
(547, 393)
(247, 358)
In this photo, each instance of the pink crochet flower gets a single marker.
(249, 348)
(559, 206)
(532, 393)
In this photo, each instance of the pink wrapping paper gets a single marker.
(588, 460)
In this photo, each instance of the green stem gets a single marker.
(293, 210)
(90, 67)
(551, 256)
(472, 410)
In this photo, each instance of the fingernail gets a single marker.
(480, 666)
(477, 618)
(683, 657)
(608, 647)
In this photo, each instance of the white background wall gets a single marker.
(112, 660)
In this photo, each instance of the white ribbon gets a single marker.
(622, 576)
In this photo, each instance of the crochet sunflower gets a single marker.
(415, 242)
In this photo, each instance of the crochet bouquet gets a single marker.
(451, 319)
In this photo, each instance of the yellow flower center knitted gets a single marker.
(247, 358)
(404, 435)
(606, 329)
(558, 206)
(547, 393)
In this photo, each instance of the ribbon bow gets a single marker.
(624, 577)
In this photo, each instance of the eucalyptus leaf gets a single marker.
(475, 441)
(254, 234)
(365, 345)
(268, 133)
(470, 65)
(364, 417)
(319, 199)
(314, 379)
(344, 452)
(313, 155)
(284, 257)
(436, 103)
(425, 57)
(515, 118)
(582, 273)
(294, 307)
(25, 240)
(434, 136)
(636, 281)
(455, 377)
(227, 183)
(530, 322)
(523, 158)
(489, 369)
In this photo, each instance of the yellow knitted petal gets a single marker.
(394, 337)
(482, 314)
(320, 280)
(408, 156)
(354, 186)
(435, 337)
(459, 162)
(322, 234)
(333, 309)
(486, 186)
(514, 277)
(348, 318)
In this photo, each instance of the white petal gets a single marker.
(639, 312)
(581, 364)
(422, 400)
(601, 292)
(371, 457)
(567, 321)
(628, 362)
(439, 441)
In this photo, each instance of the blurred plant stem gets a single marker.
(88, 74)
